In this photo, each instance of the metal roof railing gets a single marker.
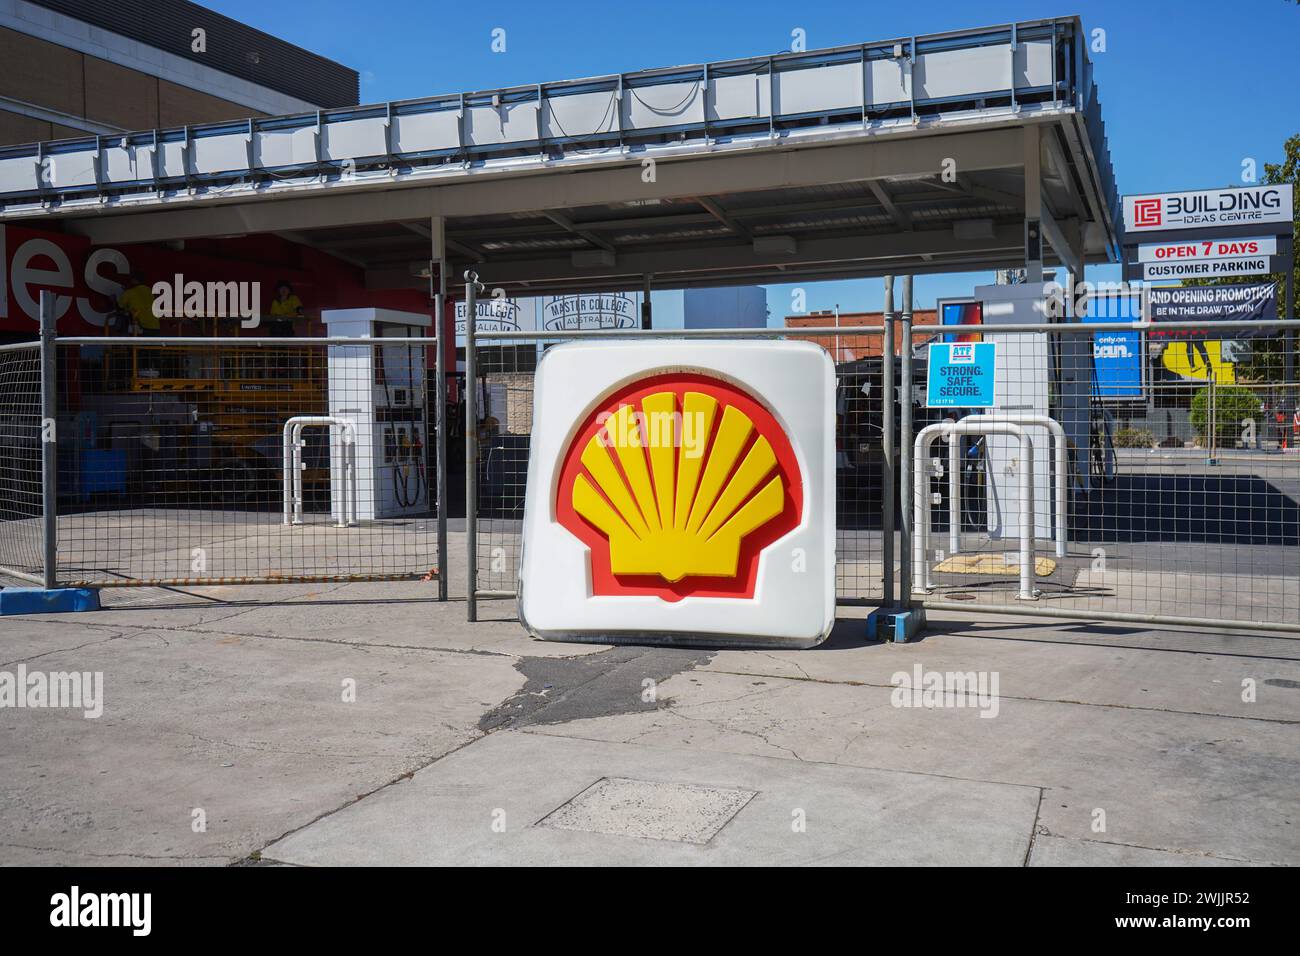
(1016, 68)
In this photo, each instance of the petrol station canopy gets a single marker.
(942, 153)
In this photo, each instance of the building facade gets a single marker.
(74, 68)
(851, 348)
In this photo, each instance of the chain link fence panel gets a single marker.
(258, 461)
(505, 372)
(1181, 479)
(21, 510)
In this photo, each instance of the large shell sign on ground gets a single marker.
(681, 492)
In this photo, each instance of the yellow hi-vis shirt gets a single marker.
(138, 300)
(289, 307)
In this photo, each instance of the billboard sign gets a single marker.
(605, 310)
(497, 314)
(1207, 269)
(1207, 258)
(87, 279)
(1210, 208)
(1246, 302)
(1203, 249)
(561, 313)
(961, 312)
(1116, 356)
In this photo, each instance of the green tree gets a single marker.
(1288, 171)
(1231, 407)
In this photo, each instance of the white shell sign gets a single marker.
(681, 492)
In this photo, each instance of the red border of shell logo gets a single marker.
(677, 483)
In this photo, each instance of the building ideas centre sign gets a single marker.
(1209, 208)
(1209, 234)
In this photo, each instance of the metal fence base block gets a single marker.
(895, 624)
(52, 601)
(875, 621)
(906, 625)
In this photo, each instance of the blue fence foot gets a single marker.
(895, 624)
(53, 601)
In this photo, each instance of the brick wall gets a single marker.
(850, 348)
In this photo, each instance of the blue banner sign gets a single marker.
(960, 375)
(1116, 356)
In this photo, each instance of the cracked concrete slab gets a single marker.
(1096, 664)
(236, 708)
(1163, 779)
(352, 615)
(483, 804)
(1059, 851)
(27, 639)
(255, 733)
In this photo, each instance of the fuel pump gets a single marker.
(1027, 377)
(381, 389)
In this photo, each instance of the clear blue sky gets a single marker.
(1189, 89)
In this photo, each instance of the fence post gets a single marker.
(1211, 413)
(440, 416)
(887, 445)
(905, 449)
(1288, 337)
(49, 440)
(472, 288)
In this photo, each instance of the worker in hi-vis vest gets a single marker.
(138, 301)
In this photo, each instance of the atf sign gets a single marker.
(961, 375)
(1209, 208)
(681, 493)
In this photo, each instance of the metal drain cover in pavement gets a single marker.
(654, 811)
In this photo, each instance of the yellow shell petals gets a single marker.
(670, 502)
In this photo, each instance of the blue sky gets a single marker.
(1189, 89)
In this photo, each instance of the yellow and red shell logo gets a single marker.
(677, 483)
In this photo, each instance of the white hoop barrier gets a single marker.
(1062, 470)
(920, 487)
(344, 505)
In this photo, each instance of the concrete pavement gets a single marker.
(475, 743)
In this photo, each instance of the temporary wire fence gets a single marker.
(1181, 483)
(187, 461)
(1181, 478)
(1178, 493)
(21, 528)
(505, 365)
